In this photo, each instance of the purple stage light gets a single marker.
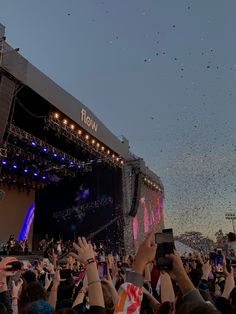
(78, 166)
(15, 166)
(71, 163)
(35, 174)
(45, 150)
(43, 177)
(54, 155)
(26, 170)
(62, 158)
(4, 162)
(33, 143)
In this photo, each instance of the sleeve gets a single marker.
(203, 285)
(193, 296)
(130, 299)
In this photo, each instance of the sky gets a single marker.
(160, 72)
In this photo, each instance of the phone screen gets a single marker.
(102, 269)
(216, 261)
(165, 245)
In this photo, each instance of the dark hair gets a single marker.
(223, 305)
(3, 309)
(195, 276)
(29, 276)
(32, 292)
(37, 307)
(233, 296)
(231, 236)
(66, 311)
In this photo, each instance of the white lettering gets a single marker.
(86, 119)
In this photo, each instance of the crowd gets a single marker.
(87, 280)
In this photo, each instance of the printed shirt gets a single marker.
(130, 299)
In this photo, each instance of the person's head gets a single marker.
(32, 292)
(70, 259)
(29, 276)
(37, 307)
(231, 236)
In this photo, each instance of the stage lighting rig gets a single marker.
(69, 130)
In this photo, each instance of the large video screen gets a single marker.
(80, 206)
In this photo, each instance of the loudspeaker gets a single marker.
(136, 196)
(7, 88)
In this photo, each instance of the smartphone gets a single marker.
(216, 261)
(15, 266)
(165, 245)
(102, 269)
(14, 278)
(65, 273)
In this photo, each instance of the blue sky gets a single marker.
(160, 72)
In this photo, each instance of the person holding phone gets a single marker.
(5, 272)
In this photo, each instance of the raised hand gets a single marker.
(146, 253)
(4, 266)
(85, 251)
(16, 288)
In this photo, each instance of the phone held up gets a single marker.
(165, 244)
(15, 266)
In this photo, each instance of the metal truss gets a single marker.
(70, 134)
(23, 135)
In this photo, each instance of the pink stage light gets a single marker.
(135, 227)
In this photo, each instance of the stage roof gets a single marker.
(25, 72)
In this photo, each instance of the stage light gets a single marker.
(98, 144)
(35, 174)
(113, 156)
(26, 170)
(15, 166)
(54, 155)
(45, 150)
(86, 136)
(33, 143)
(71, 163)
(117, 158)
(102, 148)
(108, 152)
(65, 121)
(62, 158)
(93, 141)
(79, 132)
(56, 115)
(4, 162)
(72, 126)
(43, 177)
(122, 162)
(78, 166)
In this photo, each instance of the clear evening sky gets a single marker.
(160, 72)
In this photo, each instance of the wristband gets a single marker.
(93, 282)
(89, 261)
(54, 290)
